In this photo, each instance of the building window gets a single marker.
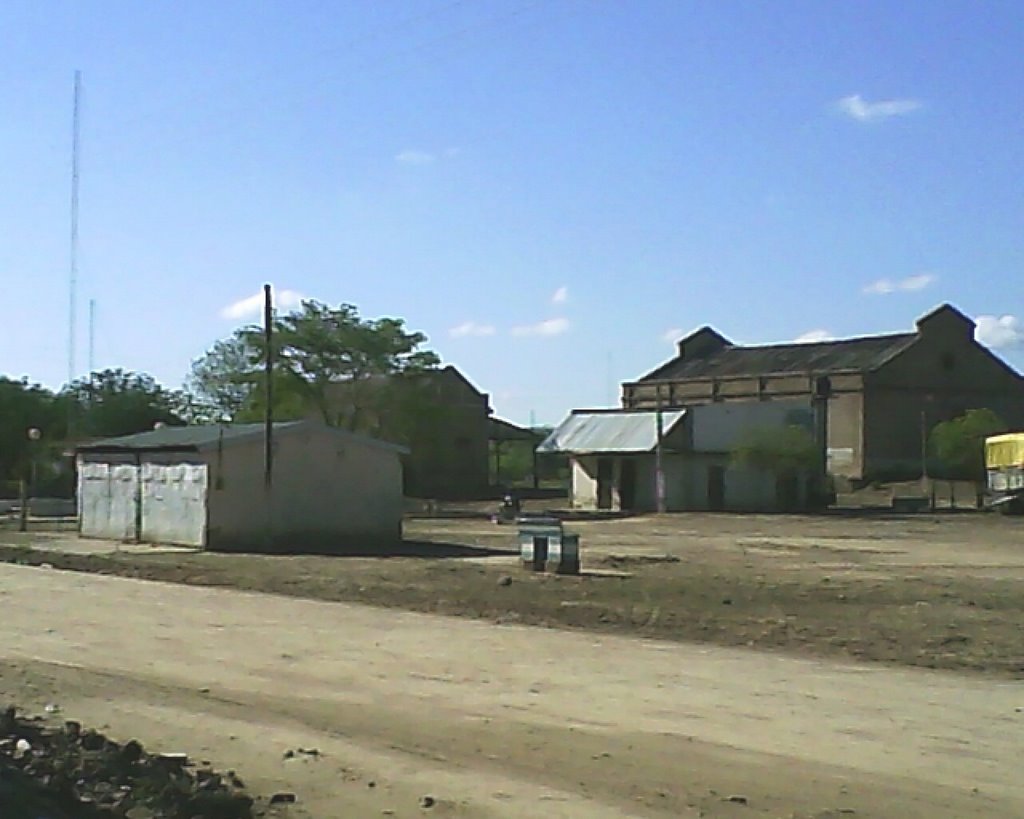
(948, 361)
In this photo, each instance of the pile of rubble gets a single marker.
(71, 773)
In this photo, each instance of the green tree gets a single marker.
(361, 374)
(223, 380)
(514, 463)
(24, 406)
(319, 346)
(118, 402)
(960, 444)
(784, 450)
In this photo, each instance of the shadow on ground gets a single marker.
(407, 548)
(887, 512)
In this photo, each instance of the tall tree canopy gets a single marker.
(328, 361)
(112, 402)
(119, 402)
(223, 380)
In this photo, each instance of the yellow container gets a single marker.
(1004, 451)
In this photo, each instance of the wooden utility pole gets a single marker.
(22, 505)
(924, 451)
(659, 458)
(819, 403)
(268, 414)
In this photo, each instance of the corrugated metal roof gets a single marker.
(844, 355)
(622, 432)
(207, 435)
(190, 437)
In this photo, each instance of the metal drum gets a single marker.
(544, 546)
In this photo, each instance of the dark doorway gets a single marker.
(716, 488)
(540, 552)
(627, 485)
(605, 477)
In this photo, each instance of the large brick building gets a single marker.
(442, 418)
(876, 396)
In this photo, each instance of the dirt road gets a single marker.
(934, 591)
(496, 721)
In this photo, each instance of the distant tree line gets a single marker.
(107, 403)
(366, 375)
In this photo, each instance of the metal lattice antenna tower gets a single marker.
(73, 278)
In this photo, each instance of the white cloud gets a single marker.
(550, 327)
(253, 305)
(411, 156)
(472, 328)
(673, 335)
(560, 296)
(999, 331)
(858, 108)
(881, 288)
(917, 282)
(884, 287)
(812, 336)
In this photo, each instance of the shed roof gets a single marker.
(205, 436)
(615, 431)
(844, 355)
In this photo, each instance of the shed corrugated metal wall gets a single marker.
(172, 498)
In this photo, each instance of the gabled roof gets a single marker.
(207, 436)
(439, 376)
(448, 371)
(185, 438)
(619, 431)
(844, 355)
(457, 374)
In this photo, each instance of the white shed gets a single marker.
(612, 455)
(330, 490)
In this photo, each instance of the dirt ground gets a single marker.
(501, 721)
(938, 591)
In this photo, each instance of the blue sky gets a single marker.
(549, 190)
